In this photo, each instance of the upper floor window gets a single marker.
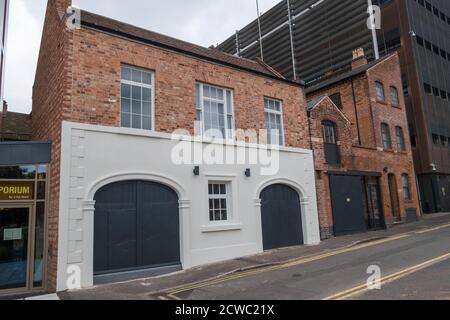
(386, 136)
(274, 121)
(215, 111)
(330, 143)
(137, 98)
(400, 139)
(406, 187)
(379, 88)
(337, 99)
(394, 97)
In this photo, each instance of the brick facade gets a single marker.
(78, 80)
(358, 125)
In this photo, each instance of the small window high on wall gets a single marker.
(331, 148)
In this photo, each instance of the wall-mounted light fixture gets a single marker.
(386, 169)
(197, 170)
(248, 173)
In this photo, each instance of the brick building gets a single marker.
(14, 126)
(359, 133)
(109, 95)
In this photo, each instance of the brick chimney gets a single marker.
(359, 58)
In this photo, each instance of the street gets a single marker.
(414, 262)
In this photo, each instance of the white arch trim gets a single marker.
(130, 176)
(303, 195)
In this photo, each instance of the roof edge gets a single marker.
(118, 33)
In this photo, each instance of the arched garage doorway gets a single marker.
(281, 217)
(136, 227)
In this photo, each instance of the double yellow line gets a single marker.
(172, 294)
(356, 291)
(210, 282)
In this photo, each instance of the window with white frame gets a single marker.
(274, 121)
(137, 98)
(215, 111)
(219, 201)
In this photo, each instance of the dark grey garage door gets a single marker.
(136, 227)
(281, 217)
(348, 204)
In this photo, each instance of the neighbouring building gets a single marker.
(4, 10)
(359, 133)
(14, 126)
(323, 35)
(122, 201)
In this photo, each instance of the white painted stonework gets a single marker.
(95, 156)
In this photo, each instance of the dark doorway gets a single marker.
(281, 217)
(136, 226)
(393, 194)
(374, 210)
(348, 204)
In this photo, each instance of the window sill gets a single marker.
(396, 106)
(221, 227)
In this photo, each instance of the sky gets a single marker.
(204, 22)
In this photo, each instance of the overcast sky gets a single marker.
(204, 22)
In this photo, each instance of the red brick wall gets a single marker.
(51, 95)
(96, 87)
(368, 156)
(327, 111)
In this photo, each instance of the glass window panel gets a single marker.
(126, 73)
(14, 247)
(42, 172)
(198, 96)
(224, 214)
(18, 172)
(136, 122)
(136, 93)
(126, 120)
(146, 78)
(126, 90)
(216, 189)
(40, 194)
(126, 105)
(206, 92)
(147, 123)
(146, 94)
(39, 244)
(136, 75)
(136, 109)
(229, 102)
(147, 108)
(220, 94)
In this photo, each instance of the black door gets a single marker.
(348, 204)
(136, 226)
(281, 217)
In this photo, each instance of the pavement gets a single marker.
(413, 261)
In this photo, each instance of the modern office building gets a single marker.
(325, 32)
(4, 9)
